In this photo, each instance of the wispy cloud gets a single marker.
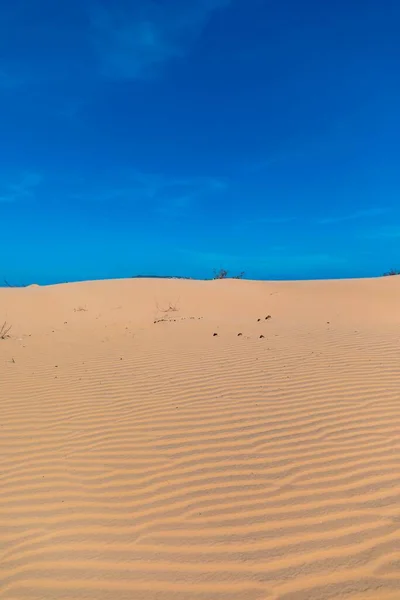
(385, 233)
(20, 189)
(70, 108)
(10, 80)
(272, 260)
(163, 193)
(367, 213)
(133, 43)
(273, 220)
(264, 165)
(174, 194)
(274, 257)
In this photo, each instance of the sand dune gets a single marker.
(144, 457)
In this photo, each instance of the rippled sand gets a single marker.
(144, 457)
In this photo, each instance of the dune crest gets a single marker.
(142, 456)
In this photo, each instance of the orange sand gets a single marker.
(144, 460)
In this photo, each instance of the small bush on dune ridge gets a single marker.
(391, 272)
(4, 331)
(224, 274)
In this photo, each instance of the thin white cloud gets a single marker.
(164, 193)
(355, 216)
(133, 43)
(10, 80)
(272, 260)
(385, 233)
(20, 189)
(277, 220)
(155, 186)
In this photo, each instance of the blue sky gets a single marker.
(179, 136)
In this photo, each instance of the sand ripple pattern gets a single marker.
(176, 465)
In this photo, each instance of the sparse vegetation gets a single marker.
(221, 274)
(13, 285)
(5, 330)
(172, 307)
(224, 274)
(391, 272)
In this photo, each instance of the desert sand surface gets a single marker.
(143, 457)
